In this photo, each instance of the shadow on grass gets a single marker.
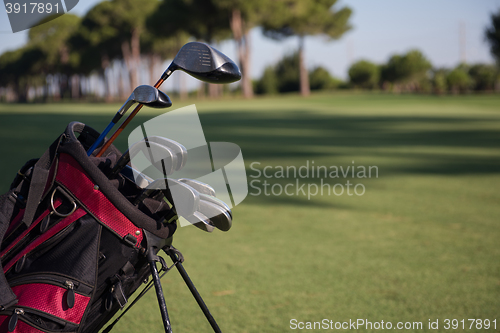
(296, 136)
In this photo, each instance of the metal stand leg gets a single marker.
(152, 259)
(173, 255)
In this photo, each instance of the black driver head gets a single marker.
(205, 63)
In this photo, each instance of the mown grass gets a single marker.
(420, 244)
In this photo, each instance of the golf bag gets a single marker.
(72, 246)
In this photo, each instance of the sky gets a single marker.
(380, 29)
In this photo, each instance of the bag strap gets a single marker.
(7, 202)
(41, 172)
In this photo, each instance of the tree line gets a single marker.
(107, 51)
(410, 72)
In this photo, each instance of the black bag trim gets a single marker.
(76, 150)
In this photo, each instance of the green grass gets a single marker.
(422, 242)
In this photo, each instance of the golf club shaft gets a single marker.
(125, 123)
(100, 138)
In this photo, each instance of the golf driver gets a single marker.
(160, 156)
(144, 95)
(198, 60)
(199, 186)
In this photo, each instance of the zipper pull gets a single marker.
(14, 318)
(70, 295)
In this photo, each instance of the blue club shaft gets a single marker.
(100, 138)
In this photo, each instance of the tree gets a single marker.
(51, 38)
(243, 16)
(201, 19)
(268, 83)
(305, 18)
(439, 83)
(97, 41)
(459, 80)
(364, 74)
(492, 35)
(483, 76)
(129, 17)
(19, 68)
(406, 70)
(320, 79)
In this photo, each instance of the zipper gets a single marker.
(28, 238)
(70, 294)
(49, 242)
(20, 313)
(60, 281)
(14, 318)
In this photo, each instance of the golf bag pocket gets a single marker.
(54, 277)
(59, 304)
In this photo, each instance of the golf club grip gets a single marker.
(124, 124)
(124, 159)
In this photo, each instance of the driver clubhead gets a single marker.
(205, 63)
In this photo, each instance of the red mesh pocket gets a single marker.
(21, 327)
(51, 299)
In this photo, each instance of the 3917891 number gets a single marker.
(32, 7)
(470, 324)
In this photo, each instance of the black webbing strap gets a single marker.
(165, 270)
(7, 202)
(39, 178)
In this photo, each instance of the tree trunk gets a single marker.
(75, 86)
(56, 87)
(305, 90)
(154, 61)
(128, 56)
(183, 94)
(213, 90)
(242, 38)
(104, 66)
(135, 43)
(201, 90)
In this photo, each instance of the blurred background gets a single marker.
(101, 50)
(410, 88)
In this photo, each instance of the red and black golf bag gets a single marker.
(73, 248)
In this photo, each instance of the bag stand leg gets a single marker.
(152, 259)
(173, 253)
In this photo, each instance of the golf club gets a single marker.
(186, 199)
(219, 216)
(160, 156)
(218, 202)
(199, 186)
(179, 150)
(136, 177)
(200, 221)
(144, 95)
(198, 60)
